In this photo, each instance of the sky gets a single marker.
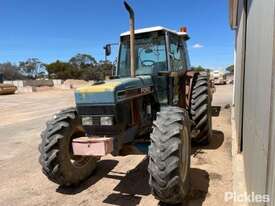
(58, 29)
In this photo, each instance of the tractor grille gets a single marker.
(96, 110)
(97, 130)
(96, 121)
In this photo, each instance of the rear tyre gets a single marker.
(56, 156)
(201, 109)
(169, 156)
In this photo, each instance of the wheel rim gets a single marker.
(75, 160)
(78, 161)
(184, 155)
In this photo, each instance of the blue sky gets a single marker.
(58, 29)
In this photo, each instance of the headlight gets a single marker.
(107, 121)
(86, 121)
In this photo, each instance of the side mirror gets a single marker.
(107, 49)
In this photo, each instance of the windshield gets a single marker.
(150, 54)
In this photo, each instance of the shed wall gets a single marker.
(254, 74)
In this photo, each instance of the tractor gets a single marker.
(154, 98)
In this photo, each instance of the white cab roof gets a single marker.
(151, 29)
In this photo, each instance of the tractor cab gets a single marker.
(157, 50)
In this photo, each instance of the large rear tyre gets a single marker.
(200, 109)
(169, 156)
(56, 156)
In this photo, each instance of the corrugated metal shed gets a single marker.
(254, 110)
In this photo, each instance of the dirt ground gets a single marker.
(117, 181)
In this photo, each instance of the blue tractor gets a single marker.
(153, 98)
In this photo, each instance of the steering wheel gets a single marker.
(148, 63)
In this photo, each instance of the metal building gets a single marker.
(254, 92)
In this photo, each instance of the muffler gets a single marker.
(132, 38)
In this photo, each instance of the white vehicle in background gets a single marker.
(218, 77)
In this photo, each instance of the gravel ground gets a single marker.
(117, 181)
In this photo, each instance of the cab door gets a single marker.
(178, 64)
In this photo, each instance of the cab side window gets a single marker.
(176, 54)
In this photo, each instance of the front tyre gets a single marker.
(169, 156)
(56, 156)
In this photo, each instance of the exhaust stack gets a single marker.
(132, 38)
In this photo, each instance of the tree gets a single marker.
(81, 66)
(199, 69)
(62, 70)
(105, 68)
(11, 71)
(230, 69)
(33, 68)
(82, 59)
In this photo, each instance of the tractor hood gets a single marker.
(112, 91)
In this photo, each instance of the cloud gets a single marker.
(197, 46)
